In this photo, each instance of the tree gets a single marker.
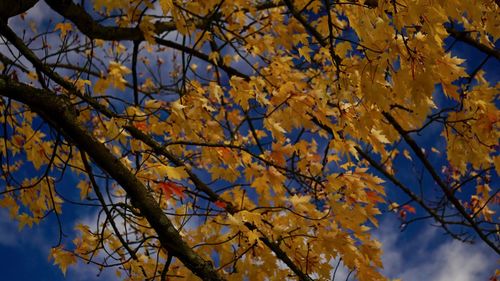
(247, 139)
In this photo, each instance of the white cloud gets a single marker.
(90, 272)
(432, 255)
(8, 235)
(34, 237)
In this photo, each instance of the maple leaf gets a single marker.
(409, 209)
(221, 204)
(378, 135)
(116, 72)
(148, 29)
(166, 6)
(402, 214)
(143, 126)
(253, 236)
(62, 258)
(174, 173)
(406, 154)
(374, 197)
(64, 28)
(301, 203)
(214, 57)
(170, 188)
(393, 206)
(101, 85)
(304, 52)
(24, 220)
(286, 109)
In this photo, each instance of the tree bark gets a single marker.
(60, 114)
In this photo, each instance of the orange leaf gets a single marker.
(409, 209)
(402, 214)
(225, 153)
(374, 197)
(172, 188)
(141, 126)
(220, 204)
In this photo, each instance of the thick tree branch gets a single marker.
(92, 29)
(57, 111)
(10, 35)
(87, 25)
(100, 197)
(9, 8)
(200, 185)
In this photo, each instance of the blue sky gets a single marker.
(421, 252)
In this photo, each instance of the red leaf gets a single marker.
(402, 214)
(409, 209)
(224, 154)
(220, 204)
(141, 126)
(172, 188)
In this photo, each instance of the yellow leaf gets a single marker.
(496, 161)
(24, 219)
(253, 236)
(84, 188)
(81, 83)
(304, 52)
(378, 135)
(214, 57)
(153, 104)
(231, 220)
(173, 173)
(148, 29)
(116, 73)
(342, 48)
(101, 85)
(301, 203)
(64, 28)
(406, 153)
(62, 258)
(297, 200)
(393, 206)
(32, 75)
(166, 6)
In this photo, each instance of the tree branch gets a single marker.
(466, 38)
(57, 111)
(94, 30)
(448, 192)
(9, 8)
(200, 185)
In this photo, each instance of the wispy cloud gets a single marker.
(90, 272)
(432, 256)
(34, 237)
(8, 235)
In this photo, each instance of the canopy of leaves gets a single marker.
(247, 140)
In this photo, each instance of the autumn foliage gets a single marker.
(247, 140)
